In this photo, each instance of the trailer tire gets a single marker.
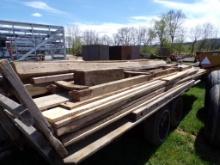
(176, 112)
(156, 128)
(212, 108)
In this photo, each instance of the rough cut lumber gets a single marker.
(70, 85)
(121, 98)
(94, 77)
(50, 101)
(52, 113)
(70, 105)
(170, 95)
(117, 114)
(36, 90)
(8, 72)
(52, 78)
(91, 148)
(33, 69)
(104, 105)
(104, 88)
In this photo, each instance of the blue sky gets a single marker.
(106, 16)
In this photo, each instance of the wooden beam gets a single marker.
(52, 78)
(8, 72)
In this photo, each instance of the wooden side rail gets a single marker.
(41, 123)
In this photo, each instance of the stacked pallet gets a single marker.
(80, 98)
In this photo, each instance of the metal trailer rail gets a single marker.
(26, 41)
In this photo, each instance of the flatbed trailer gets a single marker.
(66, 121)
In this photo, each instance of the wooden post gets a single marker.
(26, 99)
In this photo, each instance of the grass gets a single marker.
(184, 146)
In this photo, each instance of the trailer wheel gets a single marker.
(156, 128)
(212, 108)
(176, 112)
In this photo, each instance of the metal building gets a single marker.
(29, 41)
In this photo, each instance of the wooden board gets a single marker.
(70, 85)
(105, 88)
(52, 78)
(50, 101)
(91, 148)
(111, 102)
(33, 69)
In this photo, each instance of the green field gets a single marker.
(185, 145)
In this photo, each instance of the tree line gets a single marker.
(166, 33)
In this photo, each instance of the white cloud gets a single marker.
(42, 6)
(197, 12)
(37, 15)
(110, 28)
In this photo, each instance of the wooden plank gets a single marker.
(102, 89)
(8, 73)
(91, 148)
(104, 105)
(36, 90)
(96, 125)
(52, 78)
(70, 85)
(33, 69)
(50, 101)
(170, 95)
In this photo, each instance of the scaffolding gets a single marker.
(29, 41)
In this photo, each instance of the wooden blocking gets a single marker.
(50, 101)
(52, 78)
(70, 85)
(105, 88)
(94, 77)
(36, 90)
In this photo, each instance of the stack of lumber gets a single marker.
(80, 98)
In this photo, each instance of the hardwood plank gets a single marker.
(102, 89)
(110, 102)
(97, 123)
(52, 78)
(70, 85)
(8, 73)
(50, 101)
(55, 113)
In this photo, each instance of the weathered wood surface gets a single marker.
(33, 69)
(70, 85)
(8, 72)
(94, 77)
(104, 88)
(52, 78)
(50, 101)
(91, 148)
(111, 102)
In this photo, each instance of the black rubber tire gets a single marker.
(157, 127)
(176, 112)
(212, 108)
